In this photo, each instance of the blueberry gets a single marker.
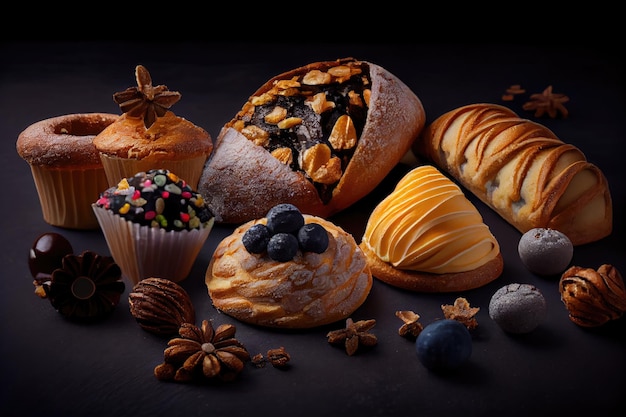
(282, 247)
(47, 253)
(255, 239)
(444, 345)
(313, 237)
(284, 218)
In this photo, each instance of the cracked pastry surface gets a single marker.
(310, 290)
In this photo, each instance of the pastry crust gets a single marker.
(170, 137)
(308, 291)
(243, 180)
(426, 236)
(433, 283)
(64, 141)
(521, 169)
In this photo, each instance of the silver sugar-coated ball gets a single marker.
(545, 251)
(518, 308)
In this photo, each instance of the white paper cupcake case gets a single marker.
(143, 251)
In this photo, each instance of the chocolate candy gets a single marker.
(47, 254)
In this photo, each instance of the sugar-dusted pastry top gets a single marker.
(428, 225)
(311, 289)
(157, 198)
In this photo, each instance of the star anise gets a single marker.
(548, 103)
(462, 312)
(146, 101)
(202, 352)
(411, 327)
(354, 335)
(86, 288)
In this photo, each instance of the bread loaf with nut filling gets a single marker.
(321, 137)
(521, 169)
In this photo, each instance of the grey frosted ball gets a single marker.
(518, 308)
(545, 251)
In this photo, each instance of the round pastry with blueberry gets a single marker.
(288, 270)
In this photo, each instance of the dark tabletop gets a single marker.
(53, 367)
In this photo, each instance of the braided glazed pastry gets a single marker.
(522, 170)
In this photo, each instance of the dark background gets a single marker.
(52, 367)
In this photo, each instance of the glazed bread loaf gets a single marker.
(310, 290)
(426, 236)
(521, 169)
(321, 137)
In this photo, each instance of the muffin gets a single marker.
(66, 166)
(288, 270)
(149, 136)
(426, 236)
(154, 224)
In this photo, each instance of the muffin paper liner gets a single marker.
(117, 168)
(144, 251)
(66, 195)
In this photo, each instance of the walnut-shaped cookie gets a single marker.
(593, 297)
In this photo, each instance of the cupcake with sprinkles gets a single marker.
(154, 224)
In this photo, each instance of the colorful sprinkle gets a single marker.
(123, 184)
(125, 208)
(173, 177)
(161, 220)
(173, 188)
(198, 201)
(160, 180)
(159, 205)
(146, 199)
